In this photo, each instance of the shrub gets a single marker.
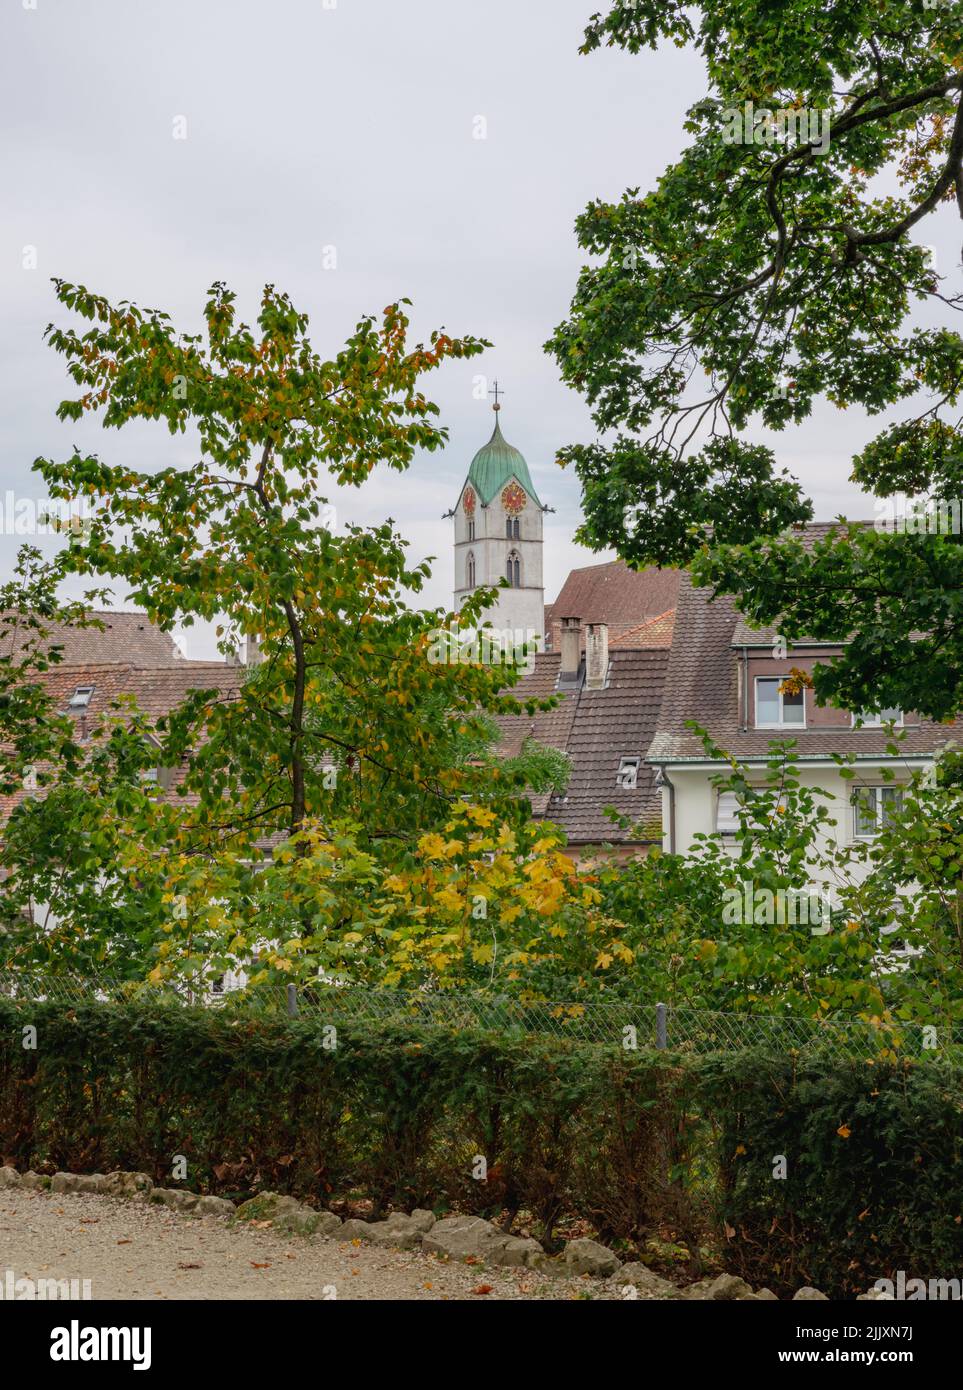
(640, 1144)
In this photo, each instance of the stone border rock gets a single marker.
(469, 1239)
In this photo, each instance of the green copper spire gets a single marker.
(496, 464)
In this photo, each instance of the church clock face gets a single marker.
(468, 502)
(514, 499)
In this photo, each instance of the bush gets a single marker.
(641, 1145)
(874, 1168)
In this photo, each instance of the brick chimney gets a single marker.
(570, 647)
(596, 655)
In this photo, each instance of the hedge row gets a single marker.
(639, 1144)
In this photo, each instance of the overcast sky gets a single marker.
(350, 125)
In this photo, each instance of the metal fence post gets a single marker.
(292, 1001)
(661, 1027)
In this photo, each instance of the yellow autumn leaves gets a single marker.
(476, 900)
(474, 887)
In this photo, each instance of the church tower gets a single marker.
(498, 535)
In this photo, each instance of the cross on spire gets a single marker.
(496, 391)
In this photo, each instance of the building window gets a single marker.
(627, 776)
(471, 528)
(873, 809)
(875, 719)
(80, 699)
(727, 813)
(731, 808)
(513, 528)
(470, 570)
(514, 570)
(777, 709)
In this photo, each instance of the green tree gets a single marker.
(34, 736)
(347, 714)
(79, 891)
(363, 724)
(774, 264)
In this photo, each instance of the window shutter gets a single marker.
(727, 813)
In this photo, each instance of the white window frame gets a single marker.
(871, 720)
(782, 723)
(82, 690)
(859, 795)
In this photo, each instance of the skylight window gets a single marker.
(80, 699)
(627, 776)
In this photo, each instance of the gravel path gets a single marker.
(131, 1251)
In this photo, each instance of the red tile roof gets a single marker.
(156, 691)
(614, 594)
(657, 632)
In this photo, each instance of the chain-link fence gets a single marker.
(617, 1022)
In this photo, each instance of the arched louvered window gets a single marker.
(517, 529)
(470, 570)
(513, 571)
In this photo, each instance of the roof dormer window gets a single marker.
(777, 708)
(80, 699)
(877, 719)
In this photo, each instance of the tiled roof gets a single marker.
(702, 683)
(657, 632)
(551, 728)
(614, 594)
(596, 728)
(809, 534)
(157, 691)
(126, 637)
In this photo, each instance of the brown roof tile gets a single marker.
(156, 691)
(126, 637)
(614, 594)
(596, 728)
(702, 684)
(657, 632)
